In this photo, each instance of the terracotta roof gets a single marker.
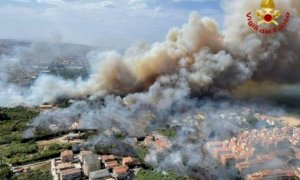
(111, 164)
(278, 172)
(107, 157)
(127, 160)
(70, 171)
(222, 149)
(120, 169)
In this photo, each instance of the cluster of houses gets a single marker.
(253, 152)
(157, 141)
(88, 165)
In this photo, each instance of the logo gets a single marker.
(268, 14)
(268, 17)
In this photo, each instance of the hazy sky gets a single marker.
(107, 23)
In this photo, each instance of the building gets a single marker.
(120, 172)
(84, 153)
(90, 163)
(228, 159)
(72, 136)
(64, 166)
(45, 107)
(102, 174)
(220, 151)
(214, 144)
(128, 161)
(107, 158)
(70, 174)
(287, 174)
(111, 164)
(66, 156)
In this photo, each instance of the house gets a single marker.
(72, 136)
(111, 164)
(64, 166)
(273, 174)
(45, 107)
(214, 144)
(220, 151)
(90, 163)
(128, 161)
(70, 174)
(106, 158)
(84, 153)
(120, 172)
(102, 174)
(66, 156)
(228, 159)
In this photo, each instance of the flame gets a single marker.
(267, 4)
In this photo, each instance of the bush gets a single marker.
(44, 155)
(103, 149)
(142, 152)
(5, 172)
(4, 116)
(15, 149)
(168, 132)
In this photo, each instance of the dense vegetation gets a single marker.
(42, 173)
(151, 174)
(5, 172)
(14, 148)
(142, 151)
(13, 121)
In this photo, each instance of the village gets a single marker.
(87, 165)
(268, 153)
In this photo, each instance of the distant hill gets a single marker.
(7, 45)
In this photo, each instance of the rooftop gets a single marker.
(83, 153)
(65, 166)
(111, 164)
(107, 157)
(67, 153)
(127, 159)
(99, 174)
(90, 159)
(70, 171)
(120, 169)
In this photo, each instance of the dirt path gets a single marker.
(59, 140)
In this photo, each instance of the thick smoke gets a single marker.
(148, 87)
(213, 61)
